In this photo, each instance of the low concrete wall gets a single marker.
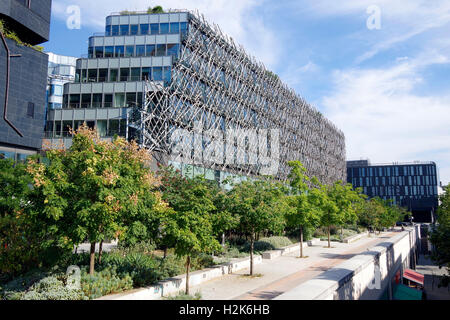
(282, 251)
(178, 283)
(365, 276)
(355, 237)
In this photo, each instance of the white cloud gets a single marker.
(385, 120)
(401, 20)
(235, 17)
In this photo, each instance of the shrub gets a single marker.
(50, 288)
(104, 282)
(265, 244)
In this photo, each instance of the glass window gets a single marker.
(67, 125)
(119, 100)
(102, 75)
(90, 52)
(77, 75)
(172, 49)
(135, 74)
(120, 51)
(97, 100)
(160, 50)
(74, 101)
(92, 75)
(84, 75)
(101, 127)
(167, 75)
(86, 100)
(113, 75)
(140, 51)
(56, 90)
(108, 101)
(109, 52)
(115, 30)
(134, 29)
(129, 51)
(124, 30)
(183, 27)
(157, 74)
(124, 74)
(146, 74)
(144, 28)
(90, 124)
(151, 50)
(58, 127)
(174, 27)
(108, 30)
(163, 28)
(99, 52)
(154, 28)
(131, 99)
(139, 98)
(113, 127)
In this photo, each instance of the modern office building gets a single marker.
(150, 75)
(61, 70)
(23, 76)
(411, 185)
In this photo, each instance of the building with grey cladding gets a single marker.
(22, 90)
(174, 69)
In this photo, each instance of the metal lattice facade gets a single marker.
(215, 83)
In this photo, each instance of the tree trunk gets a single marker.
(223, 240)
(100, 252)
(301, 242)
(329, 232)
(188, 265)
(165, 252)
(252, 241)
(92, 259)
(342, 233)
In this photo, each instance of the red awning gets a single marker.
(413, 276)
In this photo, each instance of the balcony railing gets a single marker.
(93, 105)
(66, 134)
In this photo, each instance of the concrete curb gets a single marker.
(176, 284)
(272, 254)
(355, 237)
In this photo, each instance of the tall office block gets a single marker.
(149, 75)
(23, 75)
(411, 185)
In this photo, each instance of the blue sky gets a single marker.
(387, 89)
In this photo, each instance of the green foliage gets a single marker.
(156, 9)
(40, 286)
(440, 237)
(270, 243)
(13, 36)
(107, 281)
(97, 190)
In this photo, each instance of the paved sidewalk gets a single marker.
(286, 272)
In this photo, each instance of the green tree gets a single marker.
(189, 224)
(302, 213)
(326, 198)
(440, 237)
(94, 187)
(257, 204)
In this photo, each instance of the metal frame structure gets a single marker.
(215, 83)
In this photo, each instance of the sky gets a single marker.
(378, 69)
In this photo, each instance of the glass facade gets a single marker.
(414, 186)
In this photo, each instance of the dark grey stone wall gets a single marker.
(28, 78)
(35, 20)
